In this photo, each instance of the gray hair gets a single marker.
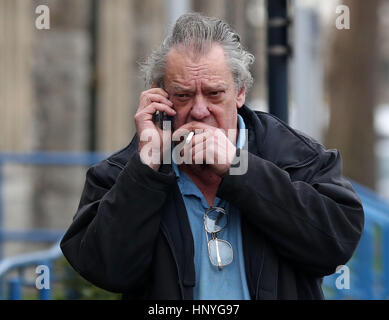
(196, 32)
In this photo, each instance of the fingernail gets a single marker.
(189, 137)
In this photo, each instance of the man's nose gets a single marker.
(200, 108)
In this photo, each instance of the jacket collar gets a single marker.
(266, 131)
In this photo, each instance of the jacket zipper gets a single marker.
(175, 259)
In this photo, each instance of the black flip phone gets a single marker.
(161, 119)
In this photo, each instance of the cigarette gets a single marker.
(189, 137)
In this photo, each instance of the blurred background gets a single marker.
(68, 95)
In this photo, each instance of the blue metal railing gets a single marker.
(44, 257)
(369, 267)
(20, 263)
(39, 159)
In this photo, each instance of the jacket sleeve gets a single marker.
(111, 239)
(315, 223)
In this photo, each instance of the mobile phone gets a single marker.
(161, 119)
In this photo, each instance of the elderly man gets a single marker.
(194, 228)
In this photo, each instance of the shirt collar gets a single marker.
(240, 141)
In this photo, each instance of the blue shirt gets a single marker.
(211, 283)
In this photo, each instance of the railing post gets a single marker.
(2, 294)
(385, 253)
(44, 287)
(1, 211)
(14, 289)
(44, 294)
(365, 265)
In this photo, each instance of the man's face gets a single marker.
(203, 89)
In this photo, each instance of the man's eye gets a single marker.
(214, 93)
(182, 95)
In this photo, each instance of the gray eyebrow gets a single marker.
(216, 87)
(207, 87)
(182, 88)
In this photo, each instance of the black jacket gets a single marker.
(300, 219)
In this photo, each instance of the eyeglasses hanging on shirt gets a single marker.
(220, 251)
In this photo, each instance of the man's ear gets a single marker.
(241, 97)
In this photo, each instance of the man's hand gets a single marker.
(150, 136)
(209, 146)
